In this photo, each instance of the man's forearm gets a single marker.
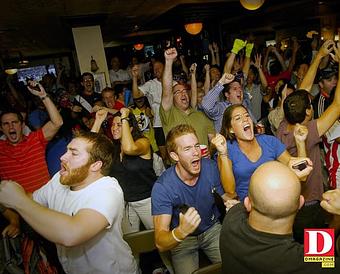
(136, 93)
(167, 78)
(54, 226)
(167, 98)
(53, 112)
(263, 79)
(229, 63)
(308, 80)
(301, 149)
(165, 240)
(193, 101)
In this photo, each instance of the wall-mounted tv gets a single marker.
(36, 73)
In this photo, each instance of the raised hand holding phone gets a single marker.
(36, 89)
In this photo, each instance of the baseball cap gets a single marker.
(326, 73)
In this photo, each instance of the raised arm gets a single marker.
(225, 166)
(101, 115)
(214, 53)
(308, 80)
(258, 66)
(300, 136)
(217, 54)
(207, 78)
(136, 93)
(246, 65)
(60, 72)
(193, 99)
(56, 121)
(167, 95)
(139, 147)
(332, 113)
(279, 58)
(210, 100)
(238, 45)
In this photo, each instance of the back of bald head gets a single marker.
(274, 190)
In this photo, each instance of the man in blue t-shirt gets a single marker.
(183, 204)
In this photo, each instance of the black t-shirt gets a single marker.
(136, 177)
(245, 250)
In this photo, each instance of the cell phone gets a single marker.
(183, 208)
(301, 165)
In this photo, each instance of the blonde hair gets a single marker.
(176, 132)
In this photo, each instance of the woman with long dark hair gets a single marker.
(240, 151)
(132, 167)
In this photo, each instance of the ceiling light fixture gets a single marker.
(11, 71)
(193, 28)
(138, 46)
(252, 4)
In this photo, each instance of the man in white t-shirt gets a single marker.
(152, 89)
(80, 209)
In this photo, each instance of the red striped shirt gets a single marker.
(25, 162)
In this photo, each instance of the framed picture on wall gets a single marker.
(99, 81)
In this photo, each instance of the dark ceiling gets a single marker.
(40, 27)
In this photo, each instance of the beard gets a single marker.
(75, 176)
(190, 168)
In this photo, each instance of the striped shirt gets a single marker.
(25, 162)
(332, 162)
(331, 147)
(214, 108)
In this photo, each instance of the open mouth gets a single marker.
(247, 128)
(63, 169)
(184, 100)
(13, 134)
(196, 163)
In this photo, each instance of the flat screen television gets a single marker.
(36, 73)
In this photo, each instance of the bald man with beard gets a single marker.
(257, 237)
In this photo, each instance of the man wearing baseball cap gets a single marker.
(327, 80)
